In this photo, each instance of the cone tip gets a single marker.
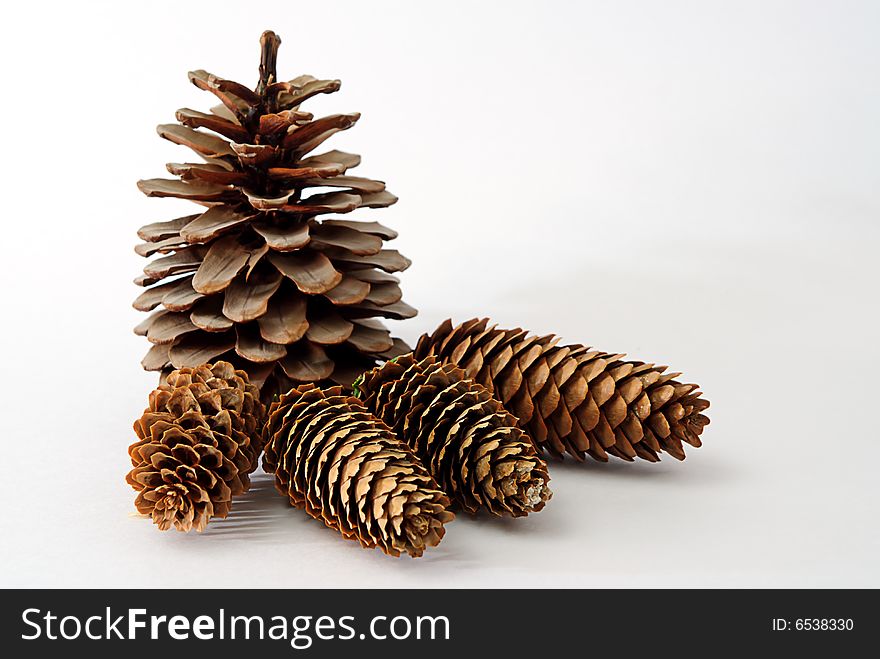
(269, 35)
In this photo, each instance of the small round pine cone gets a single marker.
(572, 399)
(197, 443)
(343, 466)
(471, 445)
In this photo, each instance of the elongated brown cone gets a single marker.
(469, 442)
(255, 277)
(572, 399)
(342, 465)
(197, 442)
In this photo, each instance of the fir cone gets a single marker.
(571, 399)
(334, 459)
(197, 443)
(256, 278)
(470, 444)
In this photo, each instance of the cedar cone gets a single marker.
(571, 399)
(470, 444)
(198, 441)
(256, 278)
(334, 459)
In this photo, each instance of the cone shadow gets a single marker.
(259, 512)
(614, 467)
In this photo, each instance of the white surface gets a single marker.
(692, 183)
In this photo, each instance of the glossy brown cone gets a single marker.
(469, 442)
(343, 466)
(260, 276)
(571, 399)
(198, 440)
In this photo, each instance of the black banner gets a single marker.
(435, 623)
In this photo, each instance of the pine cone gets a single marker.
(198, 441)
(470, 444)
(571, 399)
(256, 278)
(334, 459)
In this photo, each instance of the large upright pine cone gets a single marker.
(572, 399)
(197, 442)
(256, 278)
(470, 444)
(334, 459)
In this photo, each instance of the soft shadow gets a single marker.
(259, 512)
(262, 514)
(695, 467)
(533, 523)
(616, 467)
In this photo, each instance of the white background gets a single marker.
(693, 183)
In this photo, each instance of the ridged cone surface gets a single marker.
(572, 399)
(198, 441)
(256, 277)
(469, 442)
(343, 466)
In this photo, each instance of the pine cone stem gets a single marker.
(572, 399)
(269, 44)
